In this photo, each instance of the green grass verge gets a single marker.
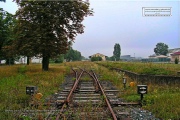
(13, 82)
(145, 68)
(162, 100)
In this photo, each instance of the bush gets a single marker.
(58, 61)
(96, 59)
(176, 61)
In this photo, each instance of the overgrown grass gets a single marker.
(13, 82)
(163, 101)
(145, 68)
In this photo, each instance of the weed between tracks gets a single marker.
(87, 111)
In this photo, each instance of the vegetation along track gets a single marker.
(84, 97)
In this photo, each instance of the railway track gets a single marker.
(86, 98)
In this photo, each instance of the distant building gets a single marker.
(129, 58)
(36, 60)
(175, 55)
(163, 58)
(23, 60)
(99, 55)
(126, 58)
(171, 51)
(157, 58)
(152, 56)
(2, 61)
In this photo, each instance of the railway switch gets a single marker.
(30, 90)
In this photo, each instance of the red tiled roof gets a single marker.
(176, 53)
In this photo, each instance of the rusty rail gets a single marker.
(107, 101)
(97, 86)
(95, 82)
(70, 93)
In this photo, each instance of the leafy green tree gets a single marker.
(117, 51)
(59, 59)
(161, 49)
(7, 24)
(72, 55)
(46, 27)
(112, 58)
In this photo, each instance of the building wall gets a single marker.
(171, 51)
(100, 55)
(156, 59)
(36, 60)
(126, 57)
(174, 57)
(23, 60)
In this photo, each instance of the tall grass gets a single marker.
(13, 82)
(161, 100)
(145, 68)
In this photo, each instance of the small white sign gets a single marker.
(156, 11)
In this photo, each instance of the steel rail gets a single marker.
(96, 84)
(70, 93)
(74, 87)
(107, 101)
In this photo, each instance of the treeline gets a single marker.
(71, 55)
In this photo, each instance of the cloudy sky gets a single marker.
(121, 21)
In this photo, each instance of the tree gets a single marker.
(46, 27)
(59, 59)
(112, 58)
(7, 24)
(72, 55)
(117, 51)
(161, 49)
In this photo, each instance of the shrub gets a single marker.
(96, 59)
(176, 61)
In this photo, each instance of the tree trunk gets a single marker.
(10, 61)
(45, 63)
(28, 60)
